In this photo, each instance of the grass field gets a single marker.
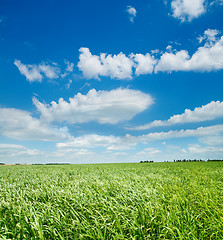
(112, 201)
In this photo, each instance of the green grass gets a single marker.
(112, 201)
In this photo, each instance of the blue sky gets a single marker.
(110, 81)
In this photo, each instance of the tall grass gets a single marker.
(112, 201)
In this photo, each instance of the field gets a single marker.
(112, 201)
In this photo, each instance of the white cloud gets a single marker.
(209, 36)
(132, 13)
(89, 64)
(31, 72)
(210, 111)
(128, 142)
(212, 140)
(204, 150)
(19, 124)
(199, 132)
(144, 63)
(171, 61)
(37, 72)
(116, 66)
(187, 10)
(207, 58)
(70, 66)
(220, 2)
(68, 84)
(85, 85)
(69, 69)
(111, 143)
(169, 47)
(51, 72)
(14, 150)
(90, 141)
(71, 153)
(102, 106)
(149, 152)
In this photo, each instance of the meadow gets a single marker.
(112, 201)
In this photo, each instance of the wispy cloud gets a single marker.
(149, 152)
(2, 19)
(127, 142)
(204, 150)
(210, 36)
(50, 71)
(31, 72)
(69, 69)
(68, 84)
(35, 72)
(15, 150)
(19, 124)
(132, 13)
(210, 111)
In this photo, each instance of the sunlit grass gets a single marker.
(112, 201)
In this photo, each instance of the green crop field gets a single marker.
(112, 201)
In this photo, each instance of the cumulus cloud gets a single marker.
(37, 72)
(144, 64)
(187, 10)
(116, 66)
(208, 57)
(171, 61)
(132, 13)
(127, 142)
(210, 111)
(19, 124)
(101, 106)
